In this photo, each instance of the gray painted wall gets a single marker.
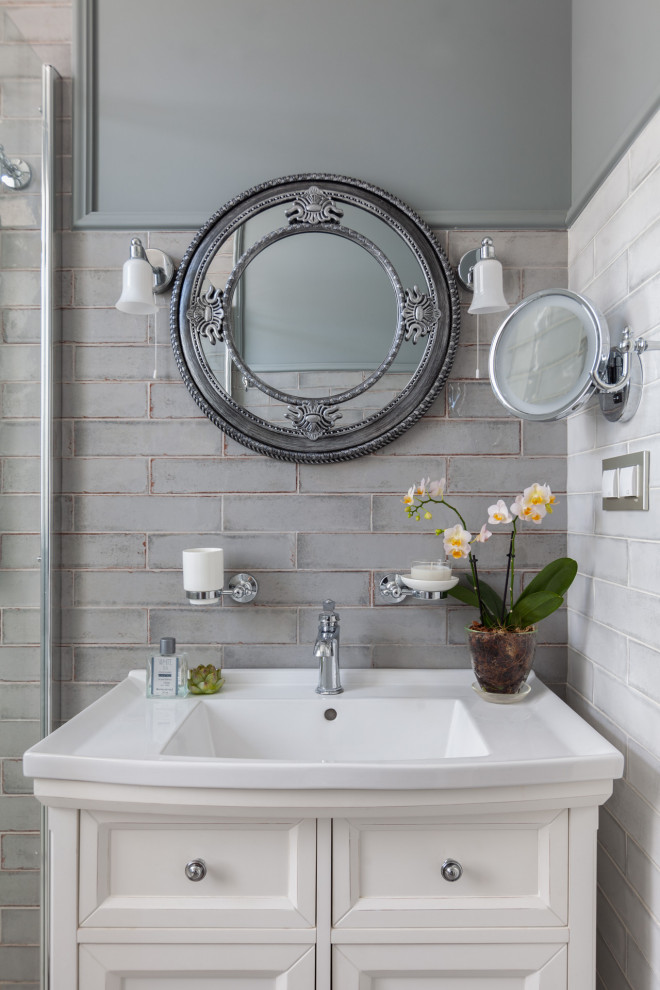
(616, 85)
(461, 109)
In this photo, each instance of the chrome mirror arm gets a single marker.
(627, 345)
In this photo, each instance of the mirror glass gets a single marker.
(543, 355)
(312, 305)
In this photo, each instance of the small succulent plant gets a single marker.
(205, 679)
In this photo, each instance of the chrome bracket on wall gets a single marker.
(620, 397)
(242, 588)
(392, 587)
(14, 172)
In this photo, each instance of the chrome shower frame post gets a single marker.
(48, 602)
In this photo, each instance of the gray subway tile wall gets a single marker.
(146, 475)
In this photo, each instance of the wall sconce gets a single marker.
(204, 578)
(145, 272)
(480, 272)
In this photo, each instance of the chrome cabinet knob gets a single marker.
(451, 870)
(196, 869)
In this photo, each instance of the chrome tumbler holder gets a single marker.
(242, 588)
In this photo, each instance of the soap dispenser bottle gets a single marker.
(167, 671)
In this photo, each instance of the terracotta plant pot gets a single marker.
(501, 659)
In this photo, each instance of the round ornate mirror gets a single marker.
(544, 356)
(314, 318)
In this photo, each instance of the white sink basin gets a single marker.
(266, 729)
(340, 729)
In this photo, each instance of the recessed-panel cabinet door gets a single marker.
(449, 967)
(256, 874)
(196, 967)
(431, 873)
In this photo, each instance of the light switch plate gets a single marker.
(610, 485)
(629, 482)
(635, 503)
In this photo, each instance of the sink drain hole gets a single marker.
(330, 714)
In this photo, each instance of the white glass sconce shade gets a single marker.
(145, 273)
(488, 289)
(203, 570)
(480, 272)
(137, 294)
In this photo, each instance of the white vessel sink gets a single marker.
(394, 729)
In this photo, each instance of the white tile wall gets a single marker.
(614, 615)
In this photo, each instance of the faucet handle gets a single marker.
(328, 618)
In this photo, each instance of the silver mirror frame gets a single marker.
(314, 435)
(592, 380)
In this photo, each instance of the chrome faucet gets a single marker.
(326, 649)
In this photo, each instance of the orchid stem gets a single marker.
(473, 564)
(472, 559)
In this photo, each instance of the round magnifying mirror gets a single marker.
(543, 356)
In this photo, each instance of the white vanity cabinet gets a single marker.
(318, 901)
(250, 842)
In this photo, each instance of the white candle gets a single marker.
(428, 570)
(203, 569)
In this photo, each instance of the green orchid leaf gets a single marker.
(464, 594)
(533, 608)
(490, 600)
(556, 578)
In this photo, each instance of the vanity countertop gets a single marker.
(394, 729)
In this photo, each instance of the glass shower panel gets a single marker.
(27, 593)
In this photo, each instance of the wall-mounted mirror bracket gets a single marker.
(621, 393)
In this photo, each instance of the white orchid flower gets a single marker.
(420, 487)
(437, 488)
(457, 542)
(484, 534)
(409, 497)
(534, 513)
(539, 495)
(499, 513)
